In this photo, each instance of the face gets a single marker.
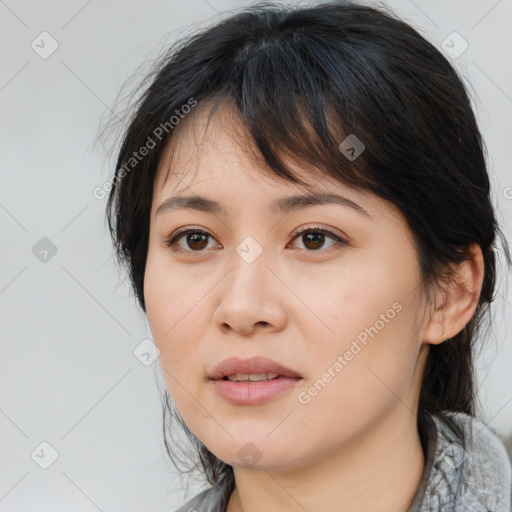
(340, 304)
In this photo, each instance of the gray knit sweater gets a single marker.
(475, 479)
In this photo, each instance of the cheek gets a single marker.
(177, 312)
(350, 298)
(369, 315)
(169, 298)
(172, 316)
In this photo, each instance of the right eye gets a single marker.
(196, 239)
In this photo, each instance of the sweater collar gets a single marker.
(464, 477)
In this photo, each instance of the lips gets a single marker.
(233, 365)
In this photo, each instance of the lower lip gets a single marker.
(253, 393)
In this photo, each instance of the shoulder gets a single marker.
(486, 451)
(206, 501)
(480, 469)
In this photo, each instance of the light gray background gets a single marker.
(69, 326)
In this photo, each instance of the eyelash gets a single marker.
(172, 240)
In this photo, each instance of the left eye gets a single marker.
(313, 238)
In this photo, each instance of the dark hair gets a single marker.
(302, 79)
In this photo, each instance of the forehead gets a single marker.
(214, 152)
(217, 160)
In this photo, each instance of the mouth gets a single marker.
(252, 381)
(253, 377)
(254, 369)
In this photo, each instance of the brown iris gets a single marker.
(318, 240)
(195, 238)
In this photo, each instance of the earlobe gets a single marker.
(459, 299)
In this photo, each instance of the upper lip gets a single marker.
(233, 365)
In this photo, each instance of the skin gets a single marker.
(355, 445)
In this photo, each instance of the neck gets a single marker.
(380, 470)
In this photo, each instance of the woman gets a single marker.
(302, 202)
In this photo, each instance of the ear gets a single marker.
(455, 305)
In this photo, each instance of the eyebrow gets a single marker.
(279, 206)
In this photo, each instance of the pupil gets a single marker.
(313, 235)
(193, 238)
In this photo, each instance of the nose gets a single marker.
(251, 298)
